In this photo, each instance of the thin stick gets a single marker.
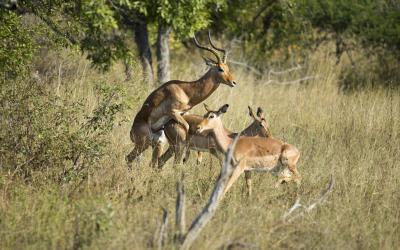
(180, 211)
(163, 232)
(209, 210)
(288, 216)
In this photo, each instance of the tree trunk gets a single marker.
(142, 42)
(163, 71)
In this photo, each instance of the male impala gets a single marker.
(253, 153)
(172, 99)
(180, 140)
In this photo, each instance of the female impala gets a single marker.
(253, 153)
(172, 99)
(180, 140)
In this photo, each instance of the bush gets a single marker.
(41, 131)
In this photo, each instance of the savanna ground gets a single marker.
(353, 136)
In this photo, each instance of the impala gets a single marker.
(253, 153)
(172, 99)
(179, 140)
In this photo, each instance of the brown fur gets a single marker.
(169, 102)
(252, 153)
(180, 140)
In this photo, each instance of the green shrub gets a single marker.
(42, 131)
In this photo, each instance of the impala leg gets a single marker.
(157, 151)
(199, 157)
(247, 175)
(218, 155)
(137, 151)
(187, 155)
(175, 114)
(291, 163)
(165, 157)
(178, 153)
(289, 158)
(235, 175)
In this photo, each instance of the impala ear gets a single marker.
(223, 109)
(260, 112)
(251, 113)
(206, 107)
(210, 62)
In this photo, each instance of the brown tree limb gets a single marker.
(209, 210)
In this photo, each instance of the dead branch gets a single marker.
(209, 210)
(245, 65)
(297, 81)
(163, 232)
(180, 212)
(282, 72)
(239, 245)
(288, 216)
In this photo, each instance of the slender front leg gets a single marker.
(165, 157)
(235, 175)
(157, 151)
(247, 175)
(187, 155)
(178, 153)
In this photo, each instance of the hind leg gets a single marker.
(289, 159)
(137, 151)
(165, 157)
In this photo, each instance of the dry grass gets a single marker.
(355, 137)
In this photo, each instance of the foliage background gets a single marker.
(66, 111)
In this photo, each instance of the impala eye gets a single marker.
(212, 116)
(220, 69)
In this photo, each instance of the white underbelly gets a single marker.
(159, 137)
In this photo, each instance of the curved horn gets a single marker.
(206, 48)
(215, 47)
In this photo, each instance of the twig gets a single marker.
(209, 210)
(180, 211)
(239, 244)
(251, 68)
(297, 81)
(163, 232)
(272, 72)
(288, 216)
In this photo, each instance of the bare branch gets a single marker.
(251, 68)
(238, 245)
(180, 212)
(297, 81)
(209, 210)
(288, 216)
(282, 72)
(163, 230)
(295, 206)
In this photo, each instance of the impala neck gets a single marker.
(201, 89)
(249, 131)
(222, 138)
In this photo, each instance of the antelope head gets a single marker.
(218, 66)
(260, 126)
(212, 119)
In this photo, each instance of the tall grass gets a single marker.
(354, 137)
